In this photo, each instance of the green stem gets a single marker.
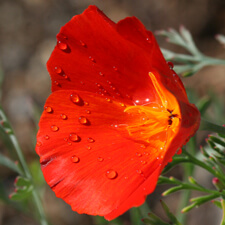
(27, 174)
(135, 216)
(185, 195)
(205, 166)
(223, 207)
(213, 61)
(206, 125)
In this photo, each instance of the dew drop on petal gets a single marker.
(46, 137)
(83, 120)
(111, 174)
(75, 98)
(170, 64)
(90, 140)
(58, 70)
(139, 171)
(65, 139)
(57, 83)
(69, 143)
(88, 111)
(39, 144)
(101, 74)
(75, 159)
(108, 100)
(125, 177)
(138, 154)
(83, 44)
(48, 109)
(148, 40)
(143, 162)
(54, 128)
(100, 159)
(88, 147)
(92, 59)
(63, 117)
(115, 68)
(74, 137)
(62, 45)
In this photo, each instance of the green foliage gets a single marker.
(187, 64)
(155, 220)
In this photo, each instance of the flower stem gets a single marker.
(206, 125)
(223, 207)
(185, 195)
(26, 171)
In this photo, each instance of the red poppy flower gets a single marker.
(116, 115)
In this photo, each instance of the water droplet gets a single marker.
(111, 174)
(46, 137)
(69, 143)
(170, 64)
(148, 40)
(63, 117)
(138, 154)
(122, 104)
(48, 109)
(90, 140)
(92, 59)
(126, 178)
(62, 45)
(75, 159)
(65, 139)
(83, 44)
(88, 147)
(75, 98)
(101, 74)
(143, 162)
(128, 96)
(57, 83)
(74, 137)
(88, 111)
(54, 128)
(99, 86)
(83, 120)
(66, 77)
(58, 70)
(115, 68)
(100, 159)
(86, 103)
(108, 100)
(139, 171)
(39, 144)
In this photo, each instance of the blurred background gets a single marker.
(28, 31)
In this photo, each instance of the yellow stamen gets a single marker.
(152, 122)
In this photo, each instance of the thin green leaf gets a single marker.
(5, 161)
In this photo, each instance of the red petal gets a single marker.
(106, 58)
(76, 168)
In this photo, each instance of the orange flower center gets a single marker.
(156, 123)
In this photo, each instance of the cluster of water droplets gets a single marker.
(107, 90)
